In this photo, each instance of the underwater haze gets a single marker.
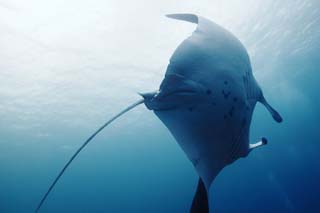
(68, 66)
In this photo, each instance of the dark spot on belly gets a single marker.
(225, 94)
(190, 109)
(225, 82)
(235, 99)
(209, 92)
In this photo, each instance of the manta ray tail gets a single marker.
(83, 146)
(200, 202)
(276, 116)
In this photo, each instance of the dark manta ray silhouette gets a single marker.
(206, 100)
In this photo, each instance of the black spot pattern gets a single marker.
(225, 94)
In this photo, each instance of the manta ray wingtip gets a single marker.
(184, 17)
(277, 117)
(264, 141)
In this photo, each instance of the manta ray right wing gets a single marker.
(276, 116)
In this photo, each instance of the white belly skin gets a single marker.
(207, 98)
(212, 130)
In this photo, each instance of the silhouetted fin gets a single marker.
(83, 146)
(262, 142)
(200, 202)
(185, 17)
(276, 116)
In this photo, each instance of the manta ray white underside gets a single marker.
(208, 96)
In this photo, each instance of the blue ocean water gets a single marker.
(66, 67)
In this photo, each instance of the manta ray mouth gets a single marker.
(171, 100)
(164, 100)
(180, 92)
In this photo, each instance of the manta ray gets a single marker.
(206, 100)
